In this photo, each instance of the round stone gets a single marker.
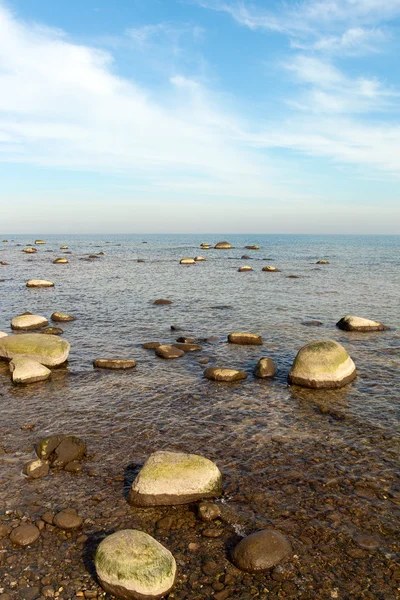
(351, 323)
(114, 363)
(265, 368)
(132, 565)
(68, 519)
(322, 364)
(223, 374)
(223, 246)
(60, 317)
(245, 338)
(25, 535)
(260, 551)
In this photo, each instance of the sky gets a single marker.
(190, 116)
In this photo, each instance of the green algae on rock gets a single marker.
(175, 478)
(48, 350)
(130, 564)
(322, 364)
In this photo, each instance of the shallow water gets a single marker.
(291, 458)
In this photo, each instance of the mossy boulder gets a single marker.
(245, 338)
(48, 350)
(130, 564)
(175, 478)
(25, 370)
(322, 364)
(350, 323)
(224, 374)
(28, 321)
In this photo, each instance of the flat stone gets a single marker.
(199, 258)
(322, 262)
(61, 317)
(322, 364)
(223, 374)
(185, 340)
(151, 345)
(114, 363)
(162, 301)
(351, 323)
(28, 322)
(175, 478)
(260, 551)
(25, 535)
(60, 261)
(253, 247)
(131, 564)
(168, 352)
(39, 283)
(245, 338)
(265, 368)
(187, 261)
(25, 370)
(68, 519)
(48, 350)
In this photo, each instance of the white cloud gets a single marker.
(354, 41)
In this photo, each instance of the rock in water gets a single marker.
(28, 322)
(30, 250)
(130, 564)
(36, 469)
(322, 364)
(223, 246)
(165, 351)
(350, 323)
(25, 370)
(220, 374)
(3, 334)
(25, 535)
(60, 317)
(244, 269)
(52, 331)
(187, 346)
(260, 551)
(151, 345)
(68, 519)
(46, 446)
(199, 258)
(253, 247)
(322, 262)
(265, 368)
(114, 363)
(60, 261)
(48, 350)
(187, 261)
(270, 269)
(175, 478)
(205, 246)
(245, 338)
(71, 448)
(162, 301)
(39, 283)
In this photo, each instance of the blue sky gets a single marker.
(200, 116)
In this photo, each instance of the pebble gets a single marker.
(210, 567)
(212, 532)
(68, 519)
(25, 535)
(208, 511)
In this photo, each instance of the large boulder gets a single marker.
(131, 564)
(175, 478)
(350, 323)
(261, 551)
(223, 374)
(322, 364)
(25, 370)
(223, 246)
(28, 321)
(48, 350)
(245, 338)
(39, 283)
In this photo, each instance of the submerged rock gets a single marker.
(131, 564)
(223, 246)
(25, 370)
(175, 478)
(60, 317)
(350, 323)
(260, 551)
(39, 283)
(165, 351)
(245, 338)
(114, 363)
(48, 350)
(223, 374)
(185, 340)
(28, 322)
(151, 345)
(52, 331)
(199, 259)
(265, 368)
(68, 519)
(244, 269)
(322, 364)
(187, 261)
(187, 347)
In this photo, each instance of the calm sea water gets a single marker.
(168, 404)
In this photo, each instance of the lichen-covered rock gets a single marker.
(187, 261)
(48, 350)
(322, 364)
(132, 565)
(175, 478)
(223, 374)
(350, 323)
(35, 469)
(26, 370)
(60, 317)
(165, 351)
(114, 363)
(39, 283)
(265, 368)
(223, 246)
(28, 322)
(261, 551)
(245, 338)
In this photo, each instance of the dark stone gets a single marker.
(150, 345)
(260, 551)
(71, 448)
(187, 347)
(265, 368)
(162, 301)
(25, 535)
